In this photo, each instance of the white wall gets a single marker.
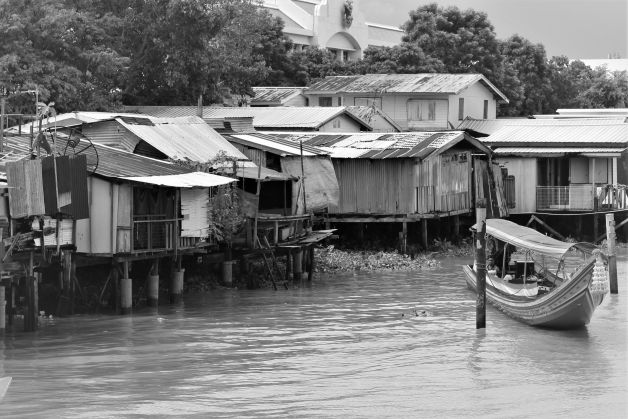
(341, 123)
(474, 97)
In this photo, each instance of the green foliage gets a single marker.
(225, 212)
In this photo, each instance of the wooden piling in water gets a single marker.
(612, 256)
(310, 271)
(480, 264)
(152, 290)
(297, 265)
(3, 304)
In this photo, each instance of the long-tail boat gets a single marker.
(539, 280)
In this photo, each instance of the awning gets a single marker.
(528, 238)
(184, 180)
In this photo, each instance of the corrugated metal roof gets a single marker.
(489, 126)
(563, 135)
(274, 95)
(72, 119)
(305, 117)
(559, 151)
(401, 83)
(184, 180)
(415, 144)
(185, 138)
(274, 144)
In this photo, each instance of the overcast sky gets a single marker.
(575, 28)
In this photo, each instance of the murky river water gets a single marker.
(339, 347)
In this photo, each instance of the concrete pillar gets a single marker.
(126, 295)
(176, 285)
(152, 291)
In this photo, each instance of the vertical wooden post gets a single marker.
(404, 237)
(288, 264)
(152, 290)
(3, 304)
(480, 263)
(456, 227)
(612, 257)
(297, 265)
(424, 233)
(73, 284)
(310, 272)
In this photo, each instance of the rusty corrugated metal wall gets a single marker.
(375, 186)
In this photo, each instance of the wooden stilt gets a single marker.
(456, 227)
(480, 258)
(404, 238)
(152, 290)
(3, 305)
(73, 284)
(288, 264)
(612, 257)
(310, 272)
(424, 233)
(297, 265)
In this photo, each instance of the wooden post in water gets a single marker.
(480, 263)
(612, 257)
(3, 304)
(152, 290)
(424, 233)
(310, 271)
(456, 227)
(297, 265)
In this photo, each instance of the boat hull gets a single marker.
(569, 306)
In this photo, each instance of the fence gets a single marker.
(581, 197)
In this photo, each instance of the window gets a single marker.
(461, 109)
(431, 114)
(339, 101)
(486, 109)
(509, 191)
(368, 101)
(336, 123)
(324, 101)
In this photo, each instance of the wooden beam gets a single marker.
(548, 228)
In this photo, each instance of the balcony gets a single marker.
(156, 233)
(581, 198)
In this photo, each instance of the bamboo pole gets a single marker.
(612, 257)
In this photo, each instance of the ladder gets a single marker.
(270, 261)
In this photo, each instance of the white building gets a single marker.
(338, 25)
(413, 101)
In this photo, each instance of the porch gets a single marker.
(581, 198)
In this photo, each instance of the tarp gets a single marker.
(528, 238)
(184, 180)
(321, 186)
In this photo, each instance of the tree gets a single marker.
(464, 41)
(404, 58)
(66, 54)
(182, 49)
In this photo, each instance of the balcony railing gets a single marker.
(155, 233)
(581, 198)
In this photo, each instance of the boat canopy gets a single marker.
(528, 238)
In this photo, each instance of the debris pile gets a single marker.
(330, 259)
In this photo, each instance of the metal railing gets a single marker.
(581, 197)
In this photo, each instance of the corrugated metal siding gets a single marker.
(374, 186)
(106, 132)
(400, 83)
